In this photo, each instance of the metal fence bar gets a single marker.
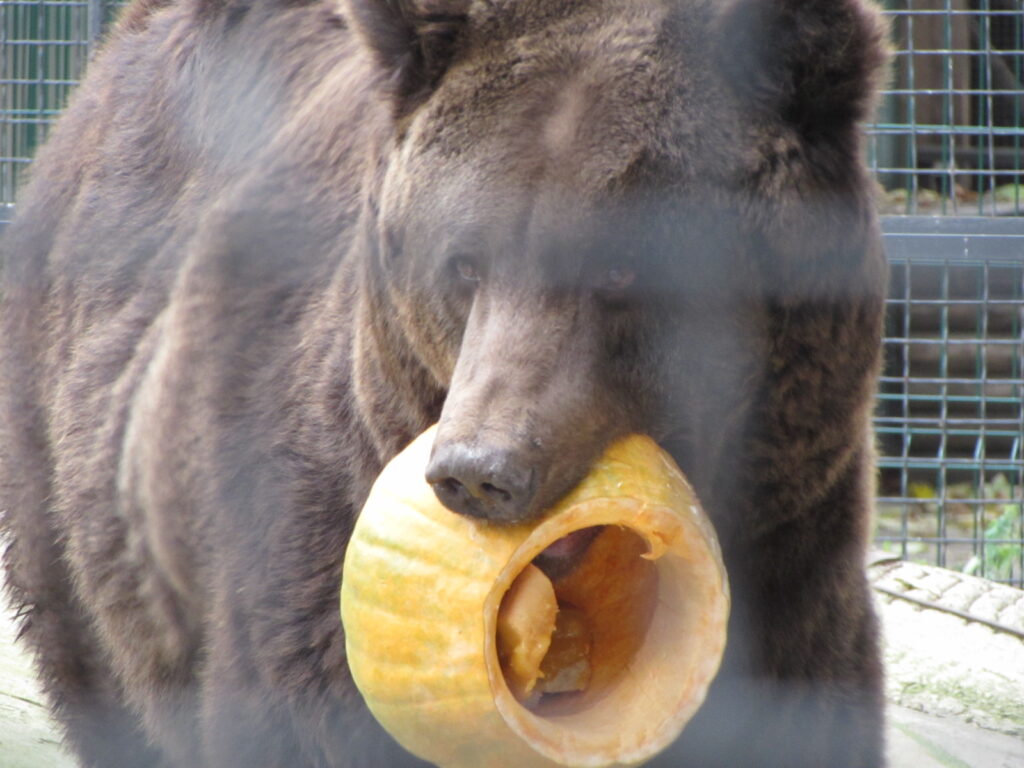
(948, 140)
(95, 23)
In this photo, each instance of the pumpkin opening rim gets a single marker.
(678, 548)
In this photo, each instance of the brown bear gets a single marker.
(271, 241)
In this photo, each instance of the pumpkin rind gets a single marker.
(420, 594)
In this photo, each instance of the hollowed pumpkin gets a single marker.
(423, 588)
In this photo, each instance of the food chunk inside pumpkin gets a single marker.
(576, 633)
(526, 623)
(566, 666)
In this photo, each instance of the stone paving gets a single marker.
(954, 653)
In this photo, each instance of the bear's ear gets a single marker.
(818, 64)
(412, 41)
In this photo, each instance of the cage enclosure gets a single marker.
(947, 153)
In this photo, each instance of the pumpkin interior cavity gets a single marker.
(564, 643)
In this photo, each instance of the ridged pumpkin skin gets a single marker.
(420, 595)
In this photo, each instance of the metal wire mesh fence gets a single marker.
(949, 135)
(43, 50)
(947, 144)
(950, 417)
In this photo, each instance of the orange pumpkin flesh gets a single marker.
(423, 588)
(566, 666)
(527, 620)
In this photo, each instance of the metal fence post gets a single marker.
(95, 13)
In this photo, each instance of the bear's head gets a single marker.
(585, 210)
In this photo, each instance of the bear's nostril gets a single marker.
(482, 482)
(498, 494)
(452, 486)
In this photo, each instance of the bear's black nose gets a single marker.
(482, 482)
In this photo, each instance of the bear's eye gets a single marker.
(616, 279)
(466, 269)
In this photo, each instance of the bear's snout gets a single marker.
(481, 481)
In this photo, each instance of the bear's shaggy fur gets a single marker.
(273, 240)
